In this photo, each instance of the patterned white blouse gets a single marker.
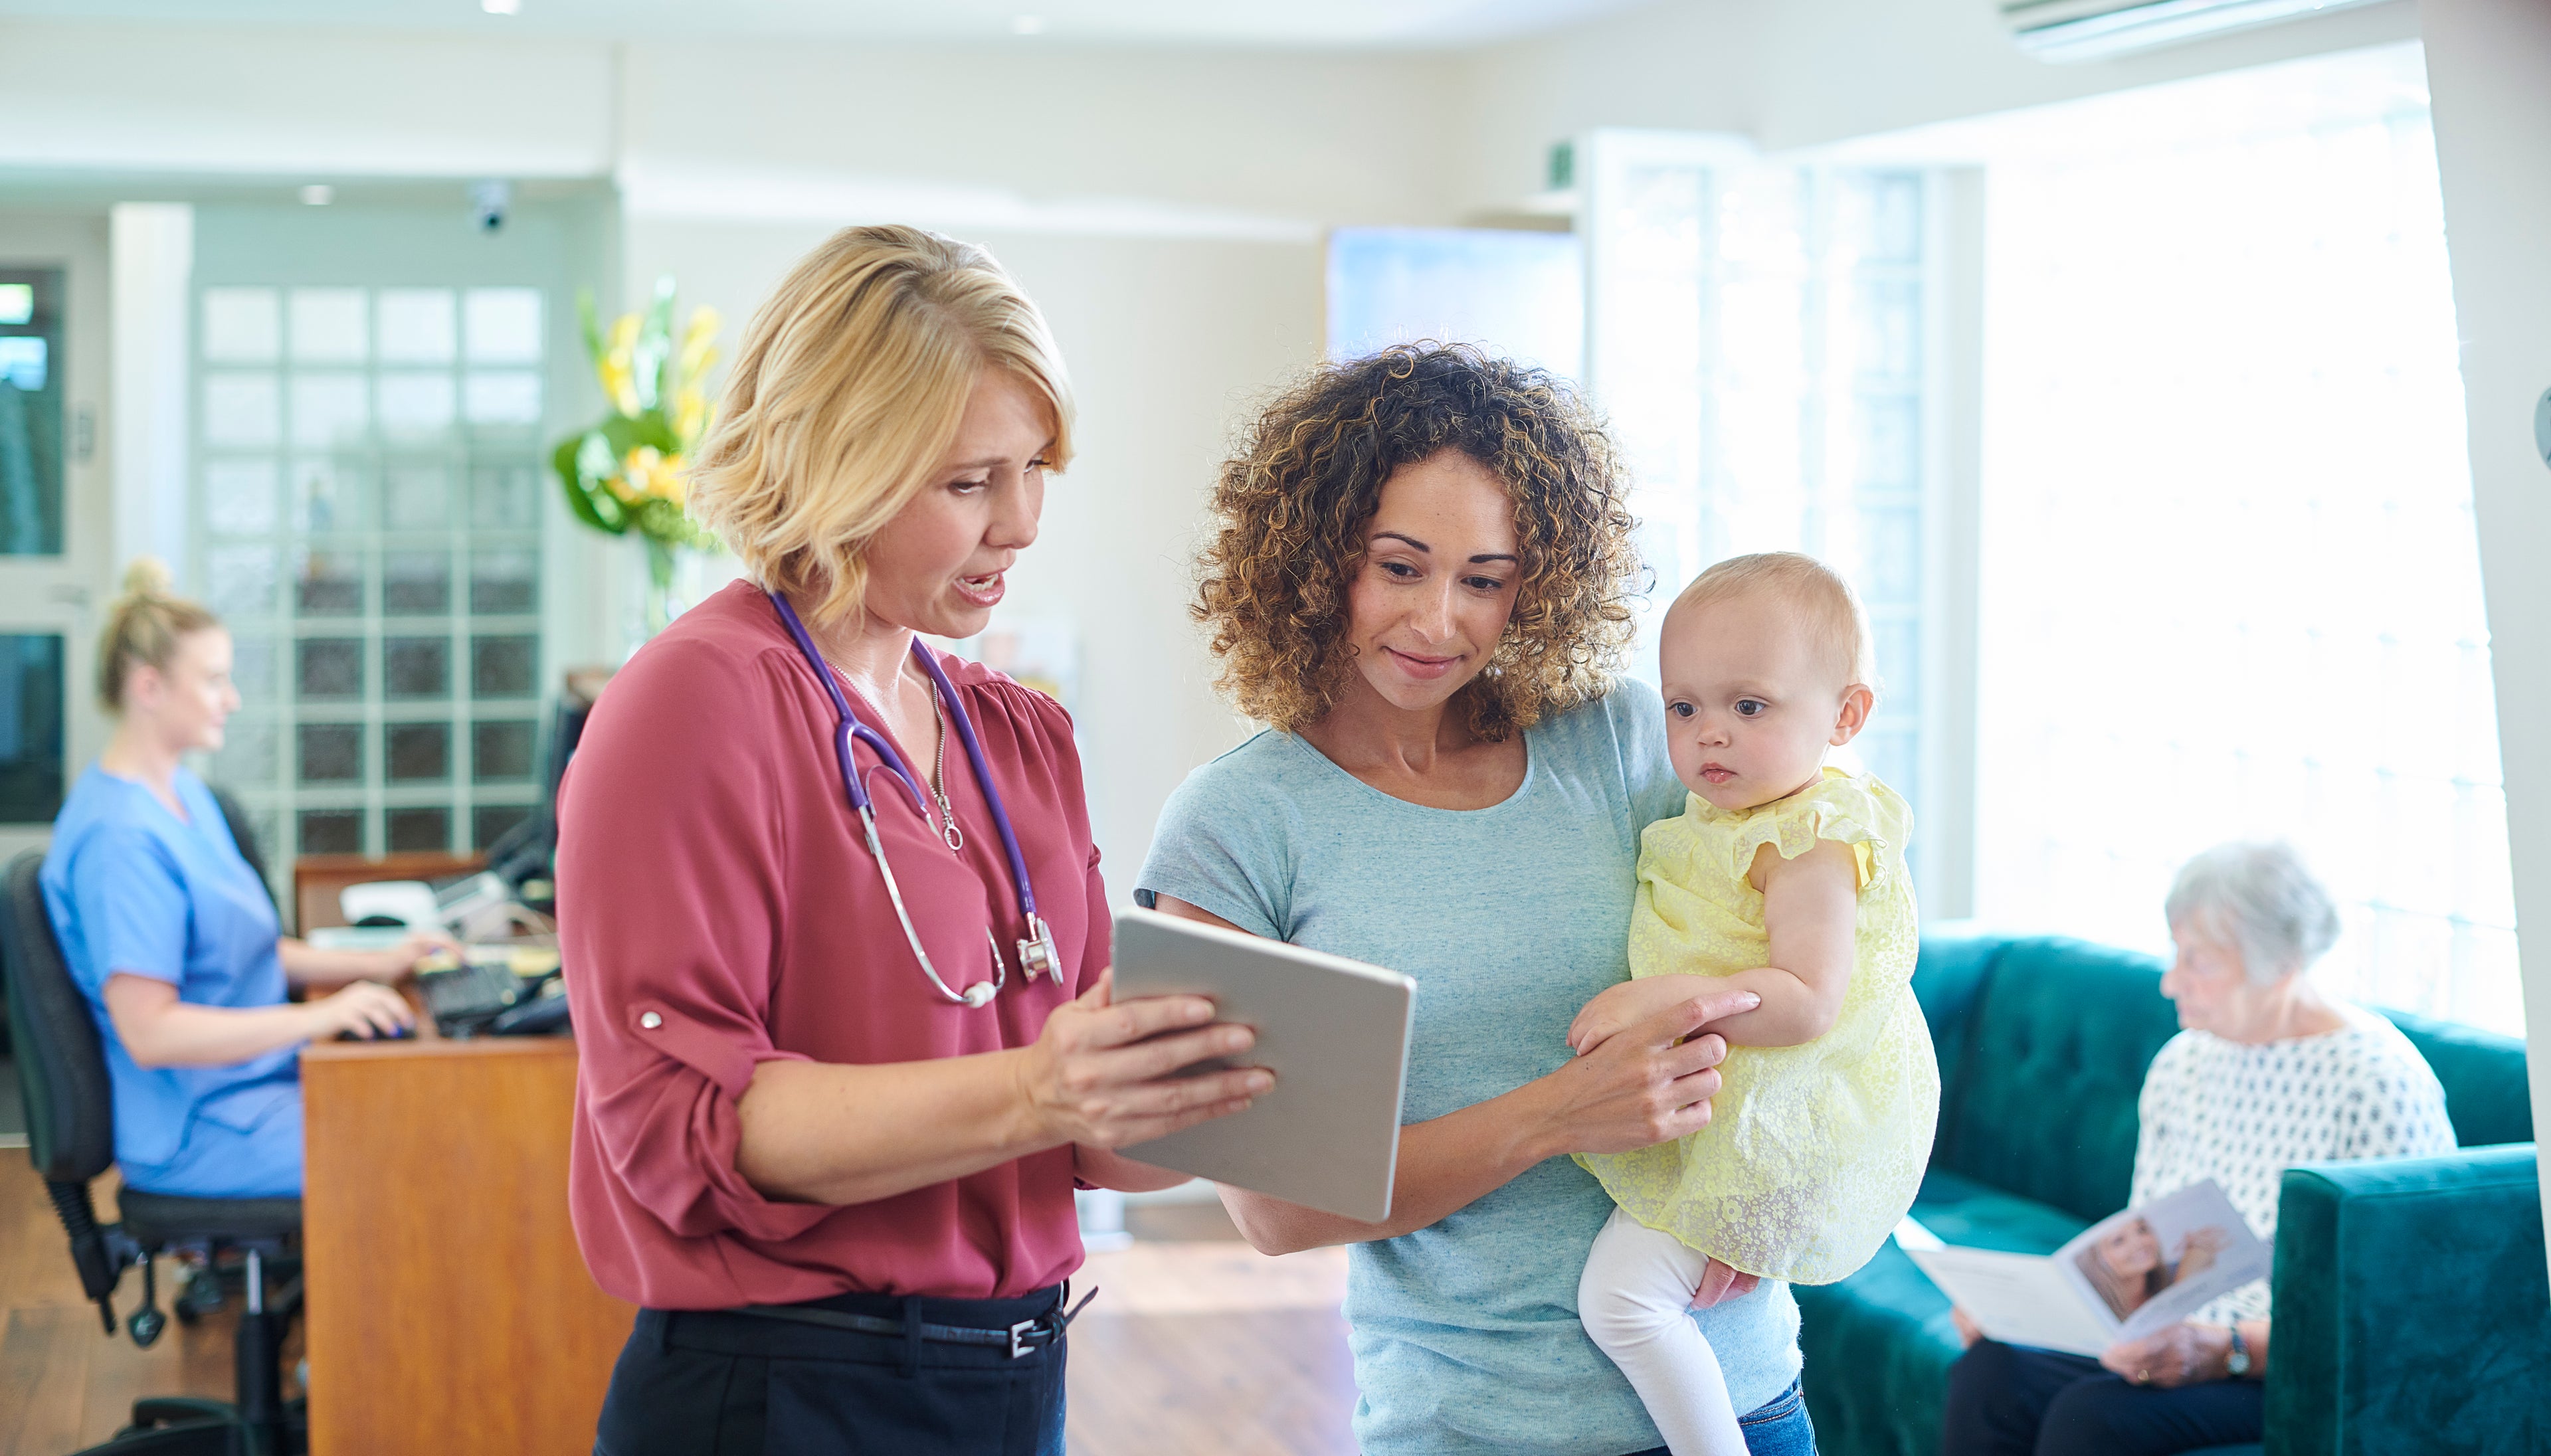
(2243, 1114)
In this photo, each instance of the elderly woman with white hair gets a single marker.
(2266, 1072)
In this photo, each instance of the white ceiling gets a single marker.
(1349, 23)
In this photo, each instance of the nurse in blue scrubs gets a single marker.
(172, 934)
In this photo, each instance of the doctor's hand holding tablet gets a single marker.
(846, 1037)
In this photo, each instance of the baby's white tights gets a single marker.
(1636, 1301)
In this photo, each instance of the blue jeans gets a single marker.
(1780, 1427)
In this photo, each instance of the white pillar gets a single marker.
(153, 264)
(2489, 74)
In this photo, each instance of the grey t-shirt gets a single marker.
(1464, 1334)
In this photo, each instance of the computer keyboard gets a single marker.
(460, 997)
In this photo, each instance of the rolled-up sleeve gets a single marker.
(669, 924)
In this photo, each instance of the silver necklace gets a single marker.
(948, 829)
(946, 826)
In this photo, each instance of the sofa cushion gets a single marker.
(1976, 1215)
(1879, 1345)
(2042, 1100)
(2483, 1076)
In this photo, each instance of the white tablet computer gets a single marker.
(1334, 1031)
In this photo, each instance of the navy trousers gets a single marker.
(2011, 1400)
(716, 1383)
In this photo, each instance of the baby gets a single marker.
(1786, 877)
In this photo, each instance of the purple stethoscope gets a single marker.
(1036, 953)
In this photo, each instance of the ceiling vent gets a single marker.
(2094, 30)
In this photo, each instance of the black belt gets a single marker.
(1022, 1339)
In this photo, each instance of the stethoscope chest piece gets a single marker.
(1037, 955)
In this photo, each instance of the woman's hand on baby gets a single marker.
(1643, 1084)
(1618, 1007)
(1720, 1281)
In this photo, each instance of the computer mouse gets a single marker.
(398, 1033)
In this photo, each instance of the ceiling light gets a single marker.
(1027, 25)
(318, 194)
(501, 7)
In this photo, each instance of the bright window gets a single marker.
(2230, 583)
(1760, 338)
(1516, 294)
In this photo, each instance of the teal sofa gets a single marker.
(2411, 1305)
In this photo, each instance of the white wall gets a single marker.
(1307, 137)
(1168, 134)
(314, 106)
(2488, 72)
(1168, 342)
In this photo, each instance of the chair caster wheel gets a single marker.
(201, 1296)
(146, 1325)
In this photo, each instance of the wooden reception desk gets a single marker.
(448, 1308)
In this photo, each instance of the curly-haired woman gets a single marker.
(1418, 581)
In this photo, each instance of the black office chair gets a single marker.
(70, 1137)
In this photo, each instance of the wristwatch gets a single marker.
(2237, 1364)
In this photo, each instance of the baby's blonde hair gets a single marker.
(1833, 610)
(849, 386)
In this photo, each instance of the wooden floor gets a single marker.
(64, 1384)
(1195, 1346)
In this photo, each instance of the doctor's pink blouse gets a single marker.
(718, 908)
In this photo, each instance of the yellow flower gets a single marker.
(646, 472)
(690, 414)
(699, 344)
(615, 369)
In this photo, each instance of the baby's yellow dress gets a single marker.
(1813, 1152)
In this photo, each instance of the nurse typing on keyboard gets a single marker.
(836, 936)
(172, 937)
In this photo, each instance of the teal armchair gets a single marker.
(2409, 1307)
(2380, 1343)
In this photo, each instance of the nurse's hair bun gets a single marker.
(143, 627)
(148, 576)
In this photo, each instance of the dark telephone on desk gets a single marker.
(494, 990)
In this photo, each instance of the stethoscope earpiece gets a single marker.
(980, 992)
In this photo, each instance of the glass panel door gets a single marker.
(374, 405)
(54, 509)
(31, 411)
